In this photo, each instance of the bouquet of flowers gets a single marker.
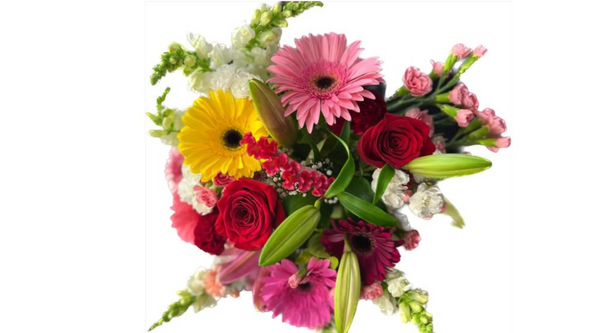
(296, 172)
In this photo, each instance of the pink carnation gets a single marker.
(417, 82)
(501, 142)
(423, 116)
(496, 124)
(463, 117)
(371, 291)
(411, 239)
(460, 51)
(173, 169)
(438, 67)
(479, 51)
(206, 196)
(461, 96)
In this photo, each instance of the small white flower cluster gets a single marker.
(397, 286)
(187, 193)
(196, 287)
(234, 66)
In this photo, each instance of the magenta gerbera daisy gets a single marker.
(302, 297)
(323, 75)
(372, 244)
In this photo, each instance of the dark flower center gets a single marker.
(232, 138)
(362, 243)
(324, 82)
(304, 286)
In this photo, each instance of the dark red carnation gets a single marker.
(395, 140)
(371, 112)
(205, 235)
(249, 211)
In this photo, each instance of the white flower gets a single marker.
(202, 47)
(241, 36)
(270, 37)
(426, 201)
(197, 81)
(386, 303)
(204, 301)
(397, 283)
(394, 195)
(196, 282)
(239, 86)
(187, 193)
(261, 57)
(221, 55)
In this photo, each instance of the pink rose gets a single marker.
(222, 180)
(206, 196)
(423, 116)
(417, 82)
(411, 239)
(496, 124)
(479, 51)
(438, 67)
(460, 51)
(371, 291)
(463, 117)
(501, 142)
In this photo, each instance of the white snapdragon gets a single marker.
(227, 78)
(241, 36)
(386, 303)
(270, 38)
(203, 48)
(221, 55)
(397, 283)
(394, 195)
(187, 193)
(426, 201)
(239, 85)
(196, 287)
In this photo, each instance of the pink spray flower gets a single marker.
(173, 169)
(206, 196)
(479, 51)
(423, 116)
(438, 67)
(371, 291)
(411, 239)
(417, 82)
(460, 51)
(323, 75)
(463, 117)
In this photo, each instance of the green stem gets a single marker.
(311, 143)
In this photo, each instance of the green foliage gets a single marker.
(366, 210)
(412, 305)
(176, 309)
(345, 176)
(385, 176)
(177, 57)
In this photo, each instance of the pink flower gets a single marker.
(423, 116)
(438, 67)
(495, 124)
(309, 304)
(471, 102)
(440, 143)
(206, 196)
(417, 82)
(501, 142)
(323, 75)
(173, 169)
(237, 265)
(411, 239)
(212, 286)
(479, 51)
(371, 291)
(461, 96)
(222, 180)
(463, 117)
(460, 51)
(185, 218)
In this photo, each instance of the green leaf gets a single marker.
(344, 178)
(292, 203)
(290, 235)
(442, 166)
(315, 247)
(457, 219)
(385, 176)
(366, 210)
(347, 291)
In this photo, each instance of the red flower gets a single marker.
(371, 112)
(249, 211)
(206, 237)
(396, 140)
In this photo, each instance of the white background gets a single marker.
(467, 272)
(75, 169)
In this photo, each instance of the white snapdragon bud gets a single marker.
(386, 303)
(221, 55)
(195, 283)
(397, 283)
(241, 36)
(203, 48)
(426, 201)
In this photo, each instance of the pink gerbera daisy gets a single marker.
(173, 169)
(375, 249)
(323, 75)
(302, 297)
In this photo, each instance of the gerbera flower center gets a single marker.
(324, 82)
(232, 138)
(362, 243)
(304, 287)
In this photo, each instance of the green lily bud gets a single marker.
(447, 165)
(271, 113)
(347, 290)
(290, 235)
(265, 18)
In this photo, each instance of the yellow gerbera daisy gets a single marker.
(210, 138)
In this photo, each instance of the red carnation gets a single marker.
(249, 211)
(396, 140)
(371, 112)
(205, 235)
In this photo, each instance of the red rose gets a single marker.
(249, 211)
(371, 112)
(205, 235)
(396, 140)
